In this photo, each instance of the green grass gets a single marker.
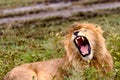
(37, 43)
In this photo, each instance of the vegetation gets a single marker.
(34, 42)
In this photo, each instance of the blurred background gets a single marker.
(32, 30)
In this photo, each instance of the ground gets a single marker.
(22, 43)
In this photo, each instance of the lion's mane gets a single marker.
(101, 60)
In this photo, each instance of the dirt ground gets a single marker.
(61, 9)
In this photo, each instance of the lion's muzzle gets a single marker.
(82, 44)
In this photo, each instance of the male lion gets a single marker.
(84, 42)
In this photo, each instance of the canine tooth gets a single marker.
(76, 41)
(83, 38)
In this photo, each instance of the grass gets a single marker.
(31, 43)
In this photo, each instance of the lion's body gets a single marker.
(45, 70)
(52, 69)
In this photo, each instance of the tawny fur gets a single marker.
(54, 69)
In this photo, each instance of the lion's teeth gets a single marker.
(76, 41)
(83, 38)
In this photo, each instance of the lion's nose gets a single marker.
(76, 33)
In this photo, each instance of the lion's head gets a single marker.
(84, 41)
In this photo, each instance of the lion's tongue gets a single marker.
(84, 49)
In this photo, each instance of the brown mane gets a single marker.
(102, 59)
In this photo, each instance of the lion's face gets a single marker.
(82, 39)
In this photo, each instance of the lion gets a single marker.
(84, 43)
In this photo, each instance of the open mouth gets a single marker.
(83, 45)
